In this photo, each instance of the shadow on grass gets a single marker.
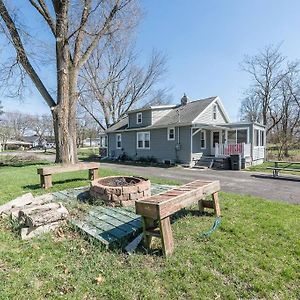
(57, 182)
(295, 178)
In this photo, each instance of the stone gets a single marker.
(130, 189)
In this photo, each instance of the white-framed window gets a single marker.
(256, 137)
(237, 136)
(103, 141)
(203, 139)
(215, 109)
(139, 118)
(143, 140)
(119, 141)
(171, 134)
(262, 138)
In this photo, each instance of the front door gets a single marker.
(215, 138)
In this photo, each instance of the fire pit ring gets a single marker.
(120, 190)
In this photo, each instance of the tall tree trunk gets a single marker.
(64, 113)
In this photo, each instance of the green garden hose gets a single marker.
(208, 233)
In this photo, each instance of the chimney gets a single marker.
(184, 99)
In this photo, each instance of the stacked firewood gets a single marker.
(35, 215)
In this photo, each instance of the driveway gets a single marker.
(285, 189)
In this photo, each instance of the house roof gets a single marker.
(185, 113)
(122, 124)
(179, 115)
(30, 138)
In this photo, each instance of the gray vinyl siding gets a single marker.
(207, 116)
(160, 147)
(146, 119)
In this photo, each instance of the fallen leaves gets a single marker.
(99, 280)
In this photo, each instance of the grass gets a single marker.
(263, 168)
(255, 254)
(17, 180)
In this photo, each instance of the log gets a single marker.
(40, 200)
(29, 233)
(33, 209)
(21, 201)
(40, 218)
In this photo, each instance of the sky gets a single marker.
(205, 42)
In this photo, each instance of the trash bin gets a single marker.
(226, 163)
(236, 162)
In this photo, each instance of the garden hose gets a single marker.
(208, 233)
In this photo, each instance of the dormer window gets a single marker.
(215, 112)
(139, 118)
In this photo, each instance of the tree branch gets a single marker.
(22, 56)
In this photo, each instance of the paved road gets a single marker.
(240, 182)
(286, 188)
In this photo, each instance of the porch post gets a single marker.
(191, 154)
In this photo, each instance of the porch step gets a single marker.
(205, 162)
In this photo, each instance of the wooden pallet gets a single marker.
(109, 225)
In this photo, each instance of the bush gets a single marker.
(124, 157)
(148, 159)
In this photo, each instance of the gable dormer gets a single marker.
(147, 116)
(213, 114)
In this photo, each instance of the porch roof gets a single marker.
(209, 126)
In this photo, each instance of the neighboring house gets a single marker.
(184, 133)
(34, 140)
(91, 142)
(14, 145)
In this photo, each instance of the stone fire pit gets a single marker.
(120, 190)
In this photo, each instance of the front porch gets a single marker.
(221, 141)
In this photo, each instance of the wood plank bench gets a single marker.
(159, 208)
(46, 173)
(288, 166)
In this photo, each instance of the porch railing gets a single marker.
(223, 150)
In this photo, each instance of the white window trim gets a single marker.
(239, 128)
(168, 136)
(204, 132)
(118, 135)
(137, 118)
(137, 141)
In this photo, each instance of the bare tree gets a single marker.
(77, 28)
(18, 122)
(251, 109)
(114, 81)
(289, 126)
(42, 126)
(267, 70)
(1, 109)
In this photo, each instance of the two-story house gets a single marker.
(184, 133)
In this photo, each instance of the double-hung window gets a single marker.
(143, 140)
(139, 118)
(203, 139)
(171, 134)
(119, 141)
(215, 112)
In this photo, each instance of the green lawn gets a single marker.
(255, 254)
(263, 168)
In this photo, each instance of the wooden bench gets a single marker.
(156, 210)
(288, 166)
(46, 173)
